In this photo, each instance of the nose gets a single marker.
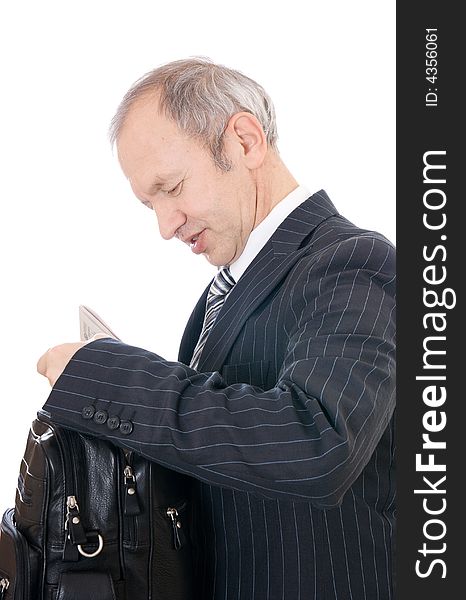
(169, 219)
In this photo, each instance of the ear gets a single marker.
(245, 129)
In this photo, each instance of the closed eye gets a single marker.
(176, 191)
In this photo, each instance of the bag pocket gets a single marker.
(176, 516)
(173, 569)
(86, 586)
(19, 563)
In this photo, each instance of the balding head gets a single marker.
(200, 97)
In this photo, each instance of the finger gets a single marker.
(42, 364)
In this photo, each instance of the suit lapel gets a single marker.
(268, 269)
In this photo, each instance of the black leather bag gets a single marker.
(93, 522)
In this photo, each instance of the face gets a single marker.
(213, 212)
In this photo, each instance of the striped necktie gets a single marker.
(219, 290)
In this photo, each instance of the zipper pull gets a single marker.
(4, 585)
(131, 503)
(70, 551)
(73, 524)
(179, 539)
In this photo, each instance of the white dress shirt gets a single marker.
(266, 228)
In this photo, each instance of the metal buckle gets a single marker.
(92, 554)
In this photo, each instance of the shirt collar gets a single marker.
(260, 235)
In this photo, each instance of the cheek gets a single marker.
(229, 216)
(222, 201)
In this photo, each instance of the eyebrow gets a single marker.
(161, 178)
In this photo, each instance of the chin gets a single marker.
(211, 260)
(219, 260)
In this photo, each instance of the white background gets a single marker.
(70, 231)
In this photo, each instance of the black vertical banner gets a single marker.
(431, 244)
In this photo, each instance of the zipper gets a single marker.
(70, 476)
(179, 538)
(131, 504)
(69, 468)
(4, 585)
(74, 532)
(73, 529)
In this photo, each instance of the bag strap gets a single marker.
(86, 585)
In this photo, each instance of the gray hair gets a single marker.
(201, 97)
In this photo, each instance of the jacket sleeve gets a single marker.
(309, 437)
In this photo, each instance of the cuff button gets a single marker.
(87, 412)
(113, 422)
(101, 417)
(126, 427)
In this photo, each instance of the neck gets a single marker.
(273, 183)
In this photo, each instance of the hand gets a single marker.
(53, 362)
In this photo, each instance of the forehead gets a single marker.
(149, 138)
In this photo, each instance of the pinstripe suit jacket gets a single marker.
(287, 427)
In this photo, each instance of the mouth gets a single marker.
(193, 239)
(196, 242)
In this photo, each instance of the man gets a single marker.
(281, 406)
